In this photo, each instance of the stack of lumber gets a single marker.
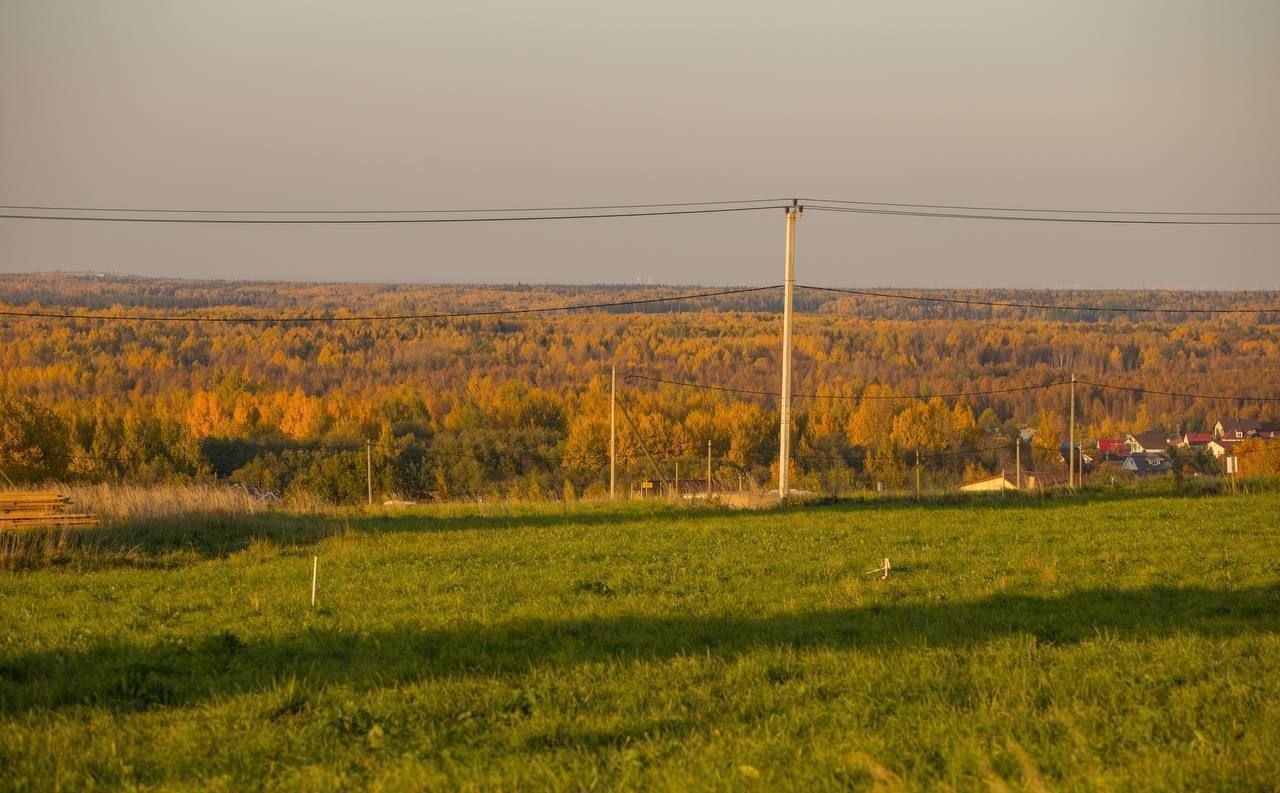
(21, 510)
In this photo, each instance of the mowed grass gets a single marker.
(1067, 644)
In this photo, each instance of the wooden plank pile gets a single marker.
(23, 510)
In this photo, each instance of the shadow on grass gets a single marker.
(172, 542)
(124, 677)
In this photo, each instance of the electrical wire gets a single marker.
(1035, 210)
(855, 397)
(385, 317)
(476, 211)
(1036, 219)
(1047, 306)
(321, 221)
(1140, 390)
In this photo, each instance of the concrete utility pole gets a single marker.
(784, 453)
(613, 430)
(1018, 455)
(1071, 444)
(368, 461)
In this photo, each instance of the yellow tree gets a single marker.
(872, 423)
(918, 428)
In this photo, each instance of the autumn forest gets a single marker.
(518, 405)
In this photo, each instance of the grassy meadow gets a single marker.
(1129, 642)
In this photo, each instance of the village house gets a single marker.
(1221, 446)
(1112, 448)
(1195, 441)
(1236, 429)
(1230, 431)
(1149, 464)
(1150, 441)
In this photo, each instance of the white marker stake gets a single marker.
(315, 567)
(884, 568)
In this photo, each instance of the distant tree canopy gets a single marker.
(519, 404)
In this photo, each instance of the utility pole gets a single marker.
(677, 477)
(1018, 455)
(368, 461)
(789, 283)
(1071, 443)
(708, 470)
(613, 430)
(917, 473)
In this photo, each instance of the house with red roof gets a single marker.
(1112, 448)
(1195, 440)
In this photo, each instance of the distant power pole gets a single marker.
(789, 283)
(368, 461)
(1018, 455)
(708, 470)
(1071, 444)
(613, 429)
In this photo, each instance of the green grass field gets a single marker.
(1068, 644)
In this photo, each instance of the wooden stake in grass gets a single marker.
(315, 568)
(884, 568)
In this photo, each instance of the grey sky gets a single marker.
(1156, 105)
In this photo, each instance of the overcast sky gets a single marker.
(1114, 104)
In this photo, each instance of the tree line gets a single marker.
(518, 405)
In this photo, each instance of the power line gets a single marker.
(817, 203)
(856, 397)
(1037, 219)
(952, 395)
(386, 317)
(1036, 210)
(1048, 306)
(475, 211)
(386, 220)
(1139, 390)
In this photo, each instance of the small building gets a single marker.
(1112, 448)
(1149, 464)
(1195, 440)
(1043, 480)
(1000, 482)
(1150, 441)
(1236, 429)
(1218, 447)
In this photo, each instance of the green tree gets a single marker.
(33, 441)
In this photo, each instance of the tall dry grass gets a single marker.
(136, 520)
(115, 503)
